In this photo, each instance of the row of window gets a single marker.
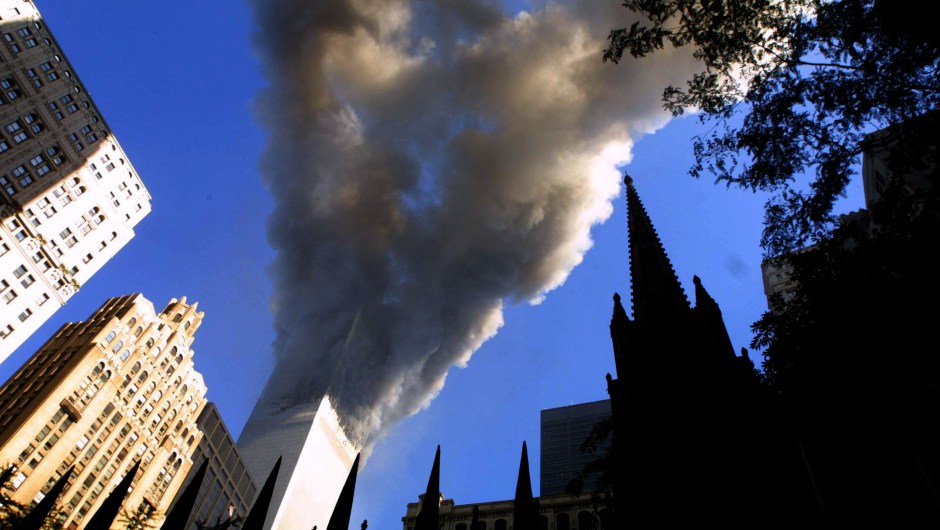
(25, 36)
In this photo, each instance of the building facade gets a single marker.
(69, 196)
(227, 490)
(99, 396)
(563, 430)
(316, 456)
(556, 512)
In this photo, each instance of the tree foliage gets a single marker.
(791, 87)
(860, 322)
(12, 513)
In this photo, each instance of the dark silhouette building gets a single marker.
(692, 424)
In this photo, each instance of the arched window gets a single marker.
(158, 395)
(177, 317)
(138, 331)
(133, 320)
(187, 324)
(135, 367)
(150, 343)
(179, 358)
(585, 520)
(173, 351)
(118, 346)
(110, 337)
(125, 355)
(562, 522)
(143, 376)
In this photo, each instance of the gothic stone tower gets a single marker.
(688, 413)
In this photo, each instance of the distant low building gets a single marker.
(557, 512)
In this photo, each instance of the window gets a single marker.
(46, 66)
(13, 126)
(118, 346)
(125, 355)
(68, 237)
(5, 332)
(7, 186)
(4, 146)
(43, 298)
(9, 296)
(27, 281)
(19, 271)
(24, 32)
(25, 314)
(30, 42)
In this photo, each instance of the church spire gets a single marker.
(657, 294)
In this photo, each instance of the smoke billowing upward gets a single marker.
(430, 161)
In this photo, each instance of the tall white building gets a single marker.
(316, 458)
(69, 196)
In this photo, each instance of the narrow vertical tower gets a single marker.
(657, 294)
(427, 518)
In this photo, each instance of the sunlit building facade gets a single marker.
(69, 196)
(101, 395)
(316, 456)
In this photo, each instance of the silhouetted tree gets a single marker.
(860, 321)
(143, 518)
(601, 434)
(807, 78)
(222, 524)
(13, 513)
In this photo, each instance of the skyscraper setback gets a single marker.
(69, 196)
(101, 395)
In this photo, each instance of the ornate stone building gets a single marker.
(69, 197)
(101, 395)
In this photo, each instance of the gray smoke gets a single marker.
(430, 161)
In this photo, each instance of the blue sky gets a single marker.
(178, 84)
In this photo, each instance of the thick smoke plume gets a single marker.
(431, 161)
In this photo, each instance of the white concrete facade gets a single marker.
(69, 196)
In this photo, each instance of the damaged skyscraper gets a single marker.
(316, 458)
